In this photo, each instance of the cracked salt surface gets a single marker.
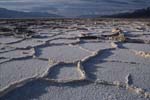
(5, 48)
(58, 62)
(7, 40)
(124, 55)
(64, 72)
(17, 54)
(63, 53)
(42, 90)
(14, 71)
(117, 71)
(138, 47)
(27, 43)
(64, 41)
(95, 46)
(2, 60)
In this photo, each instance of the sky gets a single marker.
(75, 7)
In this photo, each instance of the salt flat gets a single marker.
(75, 59)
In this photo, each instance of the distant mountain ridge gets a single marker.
(5, 13)
(141, 13)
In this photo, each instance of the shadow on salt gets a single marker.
(44, 90)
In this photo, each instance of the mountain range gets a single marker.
(140, 13)
(5, 13)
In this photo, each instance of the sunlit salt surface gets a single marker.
(14, 71)
(77, 59)
(63, 53)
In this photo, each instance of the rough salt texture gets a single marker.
(64, 72)
(76, 59)
(5, 48)
(7, 40)
(17, 53)
(63, 53)
(14, 71)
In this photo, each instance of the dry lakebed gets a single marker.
(74, 59)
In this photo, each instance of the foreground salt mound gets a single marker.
(14, 71)
(42, 90)
(64, 53)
